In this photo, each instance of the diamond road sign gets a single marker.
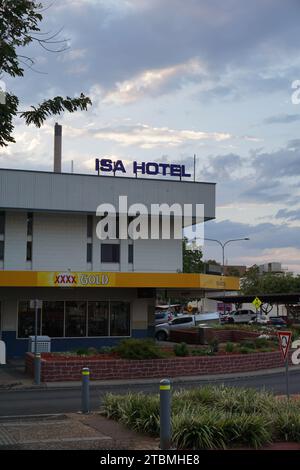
(257, 303)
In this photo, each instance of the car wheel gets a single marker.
(161, 336)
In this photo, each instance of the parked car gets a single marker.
(278, 322)
(239, 316)
(163, 317)
(162, 330)
(259, 320)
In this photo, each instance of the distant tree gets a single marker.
(232, 271)
(192, 258)
(19, 26)
(254, 283)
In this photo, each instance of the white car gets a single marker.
(239, 316)
(162, 331)
(260, 320)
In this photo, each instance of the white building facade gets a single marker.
(93, 291)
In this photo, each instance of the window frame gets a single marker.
(86, 337)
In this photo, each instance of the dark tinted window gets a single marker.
(89, 226)
(119, 319)
(98, 314)
(53, 318)
(159, 316)
(29, 223)
(75, 318)
(110, 253)
(2, 223)
(180, 321)
(26, 320)
(130, 253)
(29, 251)
(89, 250)
(2, 250)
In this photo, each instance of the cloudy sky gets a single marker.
(173, 78)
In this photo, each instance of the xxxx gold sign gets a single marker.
(75, 279)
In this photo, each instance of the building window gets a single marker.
(2, 223)
(89, 252)
(26, 320)
(29, 223)
(130, 254)
(89, 226)
(75, 318)
(110, 253)
(53, 319)
(119, 319)
(1, 250)
(98, 318)
(59, 319)
(29, 251)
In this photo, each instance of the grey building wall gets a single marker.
(34, 190)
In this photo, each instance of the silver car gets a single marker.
(162, 331)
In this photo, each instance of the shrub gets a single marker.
(138, 411)
(261, 343)
(214, 345)
(197, 431)
(211, 417)
(82, 352)
(202, 352)
(287, 422)
(248, 344)
(138, 349)
(181, 350)
(106, 350)
(245, 350)
(229, 347)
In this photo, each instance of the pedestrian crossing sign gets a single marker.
(257, 303)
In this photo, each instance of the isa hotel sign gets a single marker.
(145, 168)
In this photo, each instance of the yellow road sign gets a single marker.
(257, 303)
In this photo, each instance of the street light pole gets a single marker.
(223, 257)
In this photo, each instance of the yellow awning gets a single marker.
(116, 279)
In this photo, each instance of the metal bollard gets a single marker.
(165, 414)
(85, 397)
(37, 369)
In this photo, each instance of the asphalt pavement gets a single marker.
(24, 402)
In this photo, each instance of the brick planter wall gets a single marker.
(63, 370)
(223, 336)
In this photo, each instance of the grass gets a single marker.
(211, 417)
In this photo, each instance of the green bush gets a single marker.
(229, 347)
(106, 350)
(181, 350)
(214, 345)
(82, 352)
(245, 350)
(138, 349)
(248, 344)
(261, 343)
(138, 411)
(287, 422)
(202, 352)
(211, 417)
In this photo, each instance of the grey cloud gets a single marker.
(221, 167)
(120, 45)
(282, 119)
(265, 191)
(286, 214)
(262, 236)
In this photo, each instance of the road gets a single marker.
(47, 401)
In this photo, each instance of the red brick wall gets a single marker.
(59, 371)
(223, 336)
